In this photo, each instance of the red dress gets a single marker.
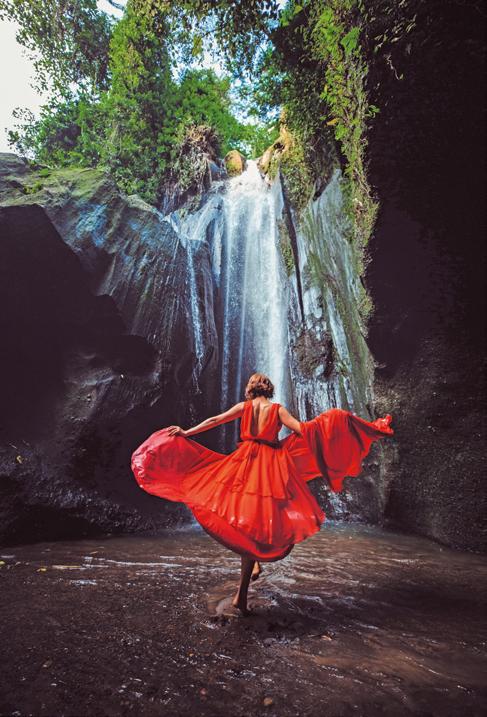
(255, 500)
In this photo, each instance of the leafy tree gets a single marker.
(259, 136)
(115, 102)
(141, 104)
(239, 30)
(68, 131)
(118, 104)
(205, 99)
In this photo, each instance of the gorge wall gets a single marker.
(97, 350)
(427, 274)
(118, 319)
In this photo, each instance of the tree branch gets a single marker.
(116, 5)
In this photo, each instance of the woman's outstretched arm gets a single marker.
(230, 415)
(289, 421)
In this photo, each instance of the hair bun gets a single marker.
(259, 385)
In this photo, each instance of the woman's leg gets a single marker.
(240, 599)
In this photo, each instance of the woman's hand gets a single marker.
(175, 431)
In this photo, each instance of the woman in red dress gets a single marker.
(255, 501)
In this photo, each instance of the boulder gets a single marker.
(235, 163)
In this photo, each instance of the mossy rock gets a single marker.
(265, 160)
(234, 162)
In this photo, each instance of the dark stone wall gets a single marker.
(427, 274)
(96, 352)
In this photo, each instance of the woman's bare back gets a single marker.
(260, 414)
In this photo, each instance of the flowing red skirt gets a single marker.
(255, 500)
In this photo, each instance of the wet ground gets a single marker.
(354, 622)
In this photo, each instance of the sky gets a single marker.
(15, 76)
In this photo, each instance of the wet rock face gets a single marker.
(97, 351)
(330, 361)
(428, 270)
(313, 356)
(49, 314)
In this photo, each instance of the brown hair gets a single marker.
(259, 385)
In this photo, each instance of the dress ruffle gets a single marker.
(334, 444)
(255, 500)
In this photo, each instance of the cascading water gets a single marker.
(239, 221)
(253, 288)
(299, 326)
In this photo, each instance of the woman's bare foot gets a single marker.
(241, 604)
(256, 572)
(240, 599)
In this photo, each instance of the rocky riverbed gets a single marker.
(354, 622)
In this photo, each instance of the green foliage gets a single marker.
(258, 137)
(68, 132)
(205, 100)
(333, 38)
(153, 121)
(140, 106)
(231, 27)
(134, 118)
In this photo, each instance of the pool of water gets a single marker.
(354, 621)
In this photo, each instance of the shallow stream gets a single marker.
(355, 621)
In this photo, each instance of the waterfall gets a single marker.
(239, 221)
(253, 288)
(294, 320)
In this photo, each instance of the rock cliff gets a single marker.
(427, 274)
(117, 319)
(98, 349)
(121, 320)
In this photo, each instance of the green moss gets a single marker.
(297, 175)
(285, 247)
(234, 163)
(289, 154)
(33, 188)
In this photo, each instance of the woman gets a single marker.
(255, 500)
